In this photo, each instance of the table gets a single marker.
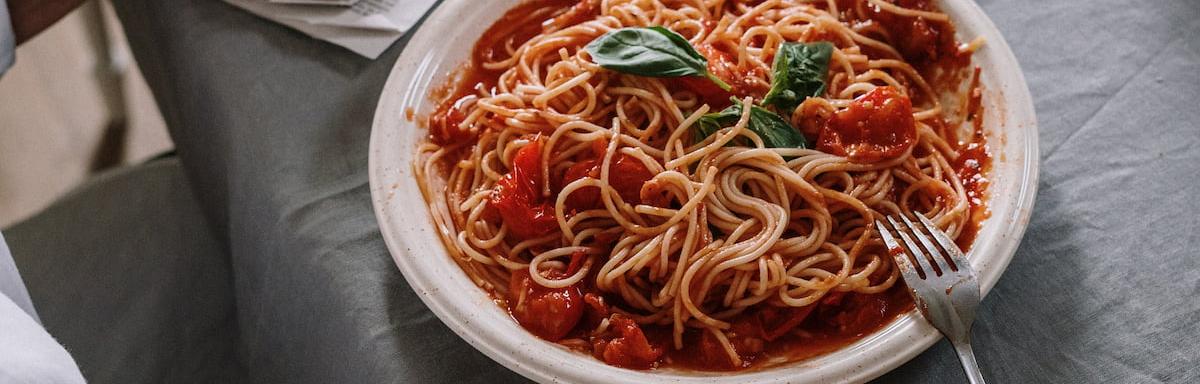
(272, 129)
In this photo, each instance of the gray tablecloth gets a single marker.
(272, 129)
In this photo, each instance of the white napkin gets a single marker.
(368, 27)
(11, 285)
(27, 353)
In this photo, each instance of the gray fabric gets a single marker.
(126, 274)
(272, 128)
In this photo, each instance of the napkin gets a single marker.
(11, 285)
(366, 27)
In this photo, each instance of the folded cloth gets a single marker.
(367, 28)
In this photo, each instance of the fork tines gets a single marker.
(937, 256)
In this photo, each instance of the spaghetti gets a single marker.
(589, 203)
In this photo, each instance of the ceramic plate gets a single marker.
(444, 42)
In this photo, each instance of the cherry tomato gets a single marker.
(626, 174)
(918, 40)
(877, 126)
(724, 66)
(721, 65)
(518, 196)
(548, 313)
(596, 310)
(444, 124)
(630, 349)
(583, 198)
(577, 260)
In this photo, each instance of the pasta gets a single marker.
(594, 205)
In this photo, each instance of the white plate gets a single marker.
(445, 41)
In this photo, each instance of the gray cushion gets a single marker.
(127, 275)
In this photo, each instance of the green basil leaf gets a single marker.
(798, 72)
(774, 131)
(705, 128)
(710, 123)
(650, 52)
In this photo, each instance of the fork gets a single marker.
(942, 282)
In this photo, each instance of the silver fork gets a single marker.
(942, 282)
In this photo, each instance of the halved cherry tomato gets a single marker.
(583, 198)
(724, 66)
(548, 313)
(630, 349)
(595, 310)
(518, 196)
(626, 174)
(444, 124)
(877, 126)
(721, 65)
(919, 40)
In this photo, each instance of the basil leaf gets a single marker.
(774, 131)
(650, 52)
(710, 123)
(798, 72)
(705, 128)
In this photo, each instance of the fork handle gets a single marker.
(967, 357)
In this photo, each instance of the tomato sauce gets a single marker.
(973, 164)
